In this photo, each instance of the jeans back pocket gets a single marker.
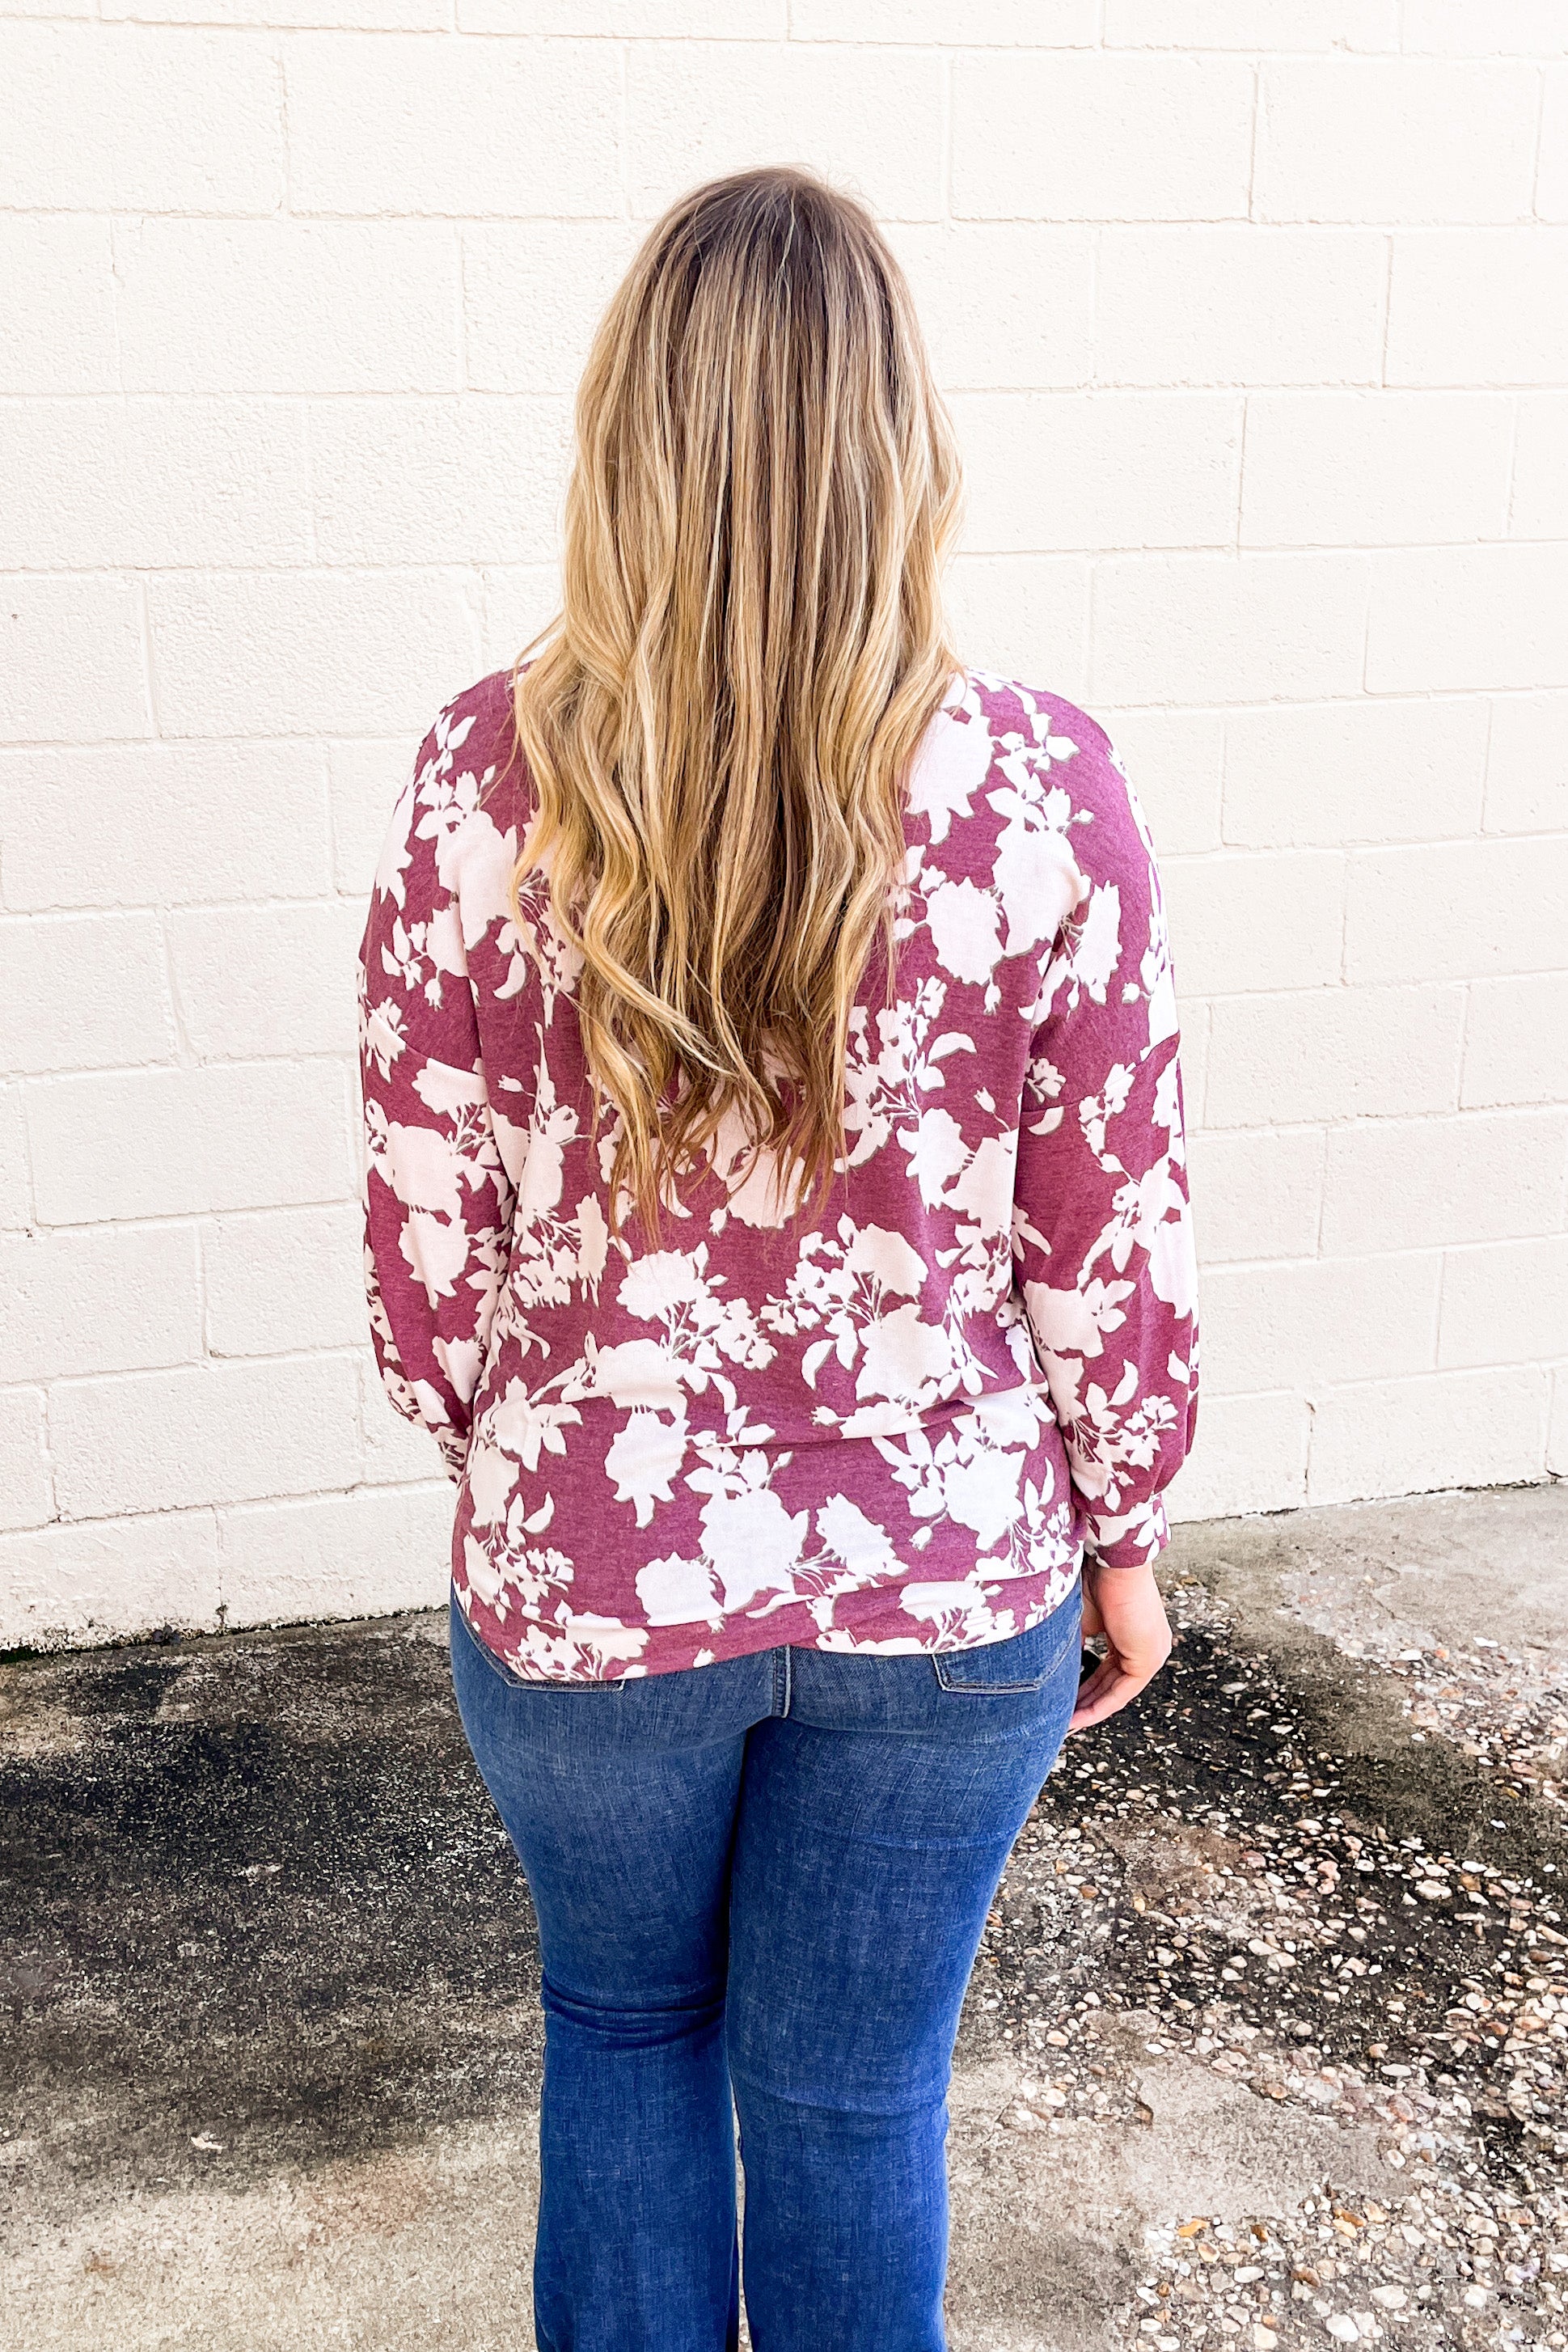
(504, 1672)
(1023, 1662)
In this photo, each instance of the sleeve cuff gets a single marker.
(1133, 1539)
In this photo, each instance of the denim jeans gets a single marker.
(763, 1881)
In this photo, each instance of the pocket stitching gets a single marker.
(991, 1690)
(939, 1659)
(513, 1681)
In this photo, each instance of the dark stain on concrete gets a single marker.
(256, 1895)
(1310, 1763)
(260, 1914)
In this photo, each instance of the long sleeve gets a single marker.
(1103, 1233)
(437, 1199)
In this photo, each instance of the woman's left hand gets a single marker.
(1123, 1604)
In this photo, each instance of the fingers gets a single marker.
(1113, 1683)
(1105, 1694)
(1124, 1607)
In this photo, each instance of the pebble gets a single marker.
(1255, 1909)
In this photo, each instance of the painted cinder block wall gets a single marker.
(1254, 315)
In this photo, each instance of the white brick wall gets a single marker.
(1254, 314)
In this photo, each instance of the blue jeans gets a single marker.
(764, 1880)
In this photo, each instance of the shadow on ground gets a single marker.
(1265, 2043)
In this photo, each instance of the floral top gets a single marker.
(894, 1422)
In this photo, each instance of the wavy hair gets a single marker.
(750, 644)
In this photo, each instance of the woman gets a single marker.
(777, 1209)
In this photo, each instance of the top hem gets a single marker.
(878, 1629)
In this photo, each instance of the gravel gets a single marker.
(1380, 1941)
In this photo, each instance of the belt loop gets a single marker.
(782, 1679)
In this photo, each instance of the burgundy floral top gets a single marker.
(893, 1422)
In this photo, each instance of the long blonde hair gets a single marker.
(750, 645)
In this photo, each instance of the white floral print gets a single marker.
(891, 1418)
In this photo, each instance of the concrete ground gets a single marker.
(1265, 2046)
